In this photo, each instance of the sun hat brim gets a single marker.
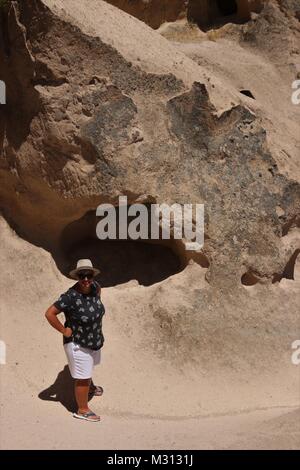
(74, 273)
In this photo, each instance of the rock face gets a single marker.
(207, 13)
(94, 112)
(204, 12)
(87, 129)
(153, 12)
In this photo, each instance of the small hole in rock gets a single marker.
(290, 224)
(247, 93)
(289, 270)
(249, 279)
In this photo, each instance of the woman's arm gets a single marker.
(51, 315)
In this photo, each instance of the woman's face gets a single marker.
(85, 278)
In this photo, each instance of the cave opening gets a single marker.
(120, 260)
(4, 28)
(249, 278)
(213, 14)
(227, 7)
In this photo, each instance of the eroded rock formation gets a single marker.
(153, 12)
(204, 12)
(99, 105)
(79, 125)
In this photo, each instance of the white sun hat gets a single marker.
(83, 265)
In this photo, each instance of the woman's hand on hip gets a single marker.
(67, 332)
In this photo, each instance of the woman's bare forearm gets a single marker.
(54, 321)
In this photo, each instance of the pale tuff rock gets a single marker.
(100, 105)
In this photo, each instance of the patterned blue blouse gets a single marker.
(83, 313)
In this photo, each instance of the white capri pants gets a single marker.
(81, 360)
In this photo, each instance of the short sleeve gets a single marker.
(63, 303)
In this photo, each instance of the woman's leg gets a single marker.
(95, 390)
(82, 387)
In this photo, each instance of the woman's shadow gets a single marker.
(61, 390)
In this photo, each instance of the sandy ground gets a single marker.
(45, 422)
(48, 425)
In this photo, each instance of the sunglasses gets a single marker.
(84, 275)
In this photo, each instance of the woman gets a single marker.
(82, 332)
